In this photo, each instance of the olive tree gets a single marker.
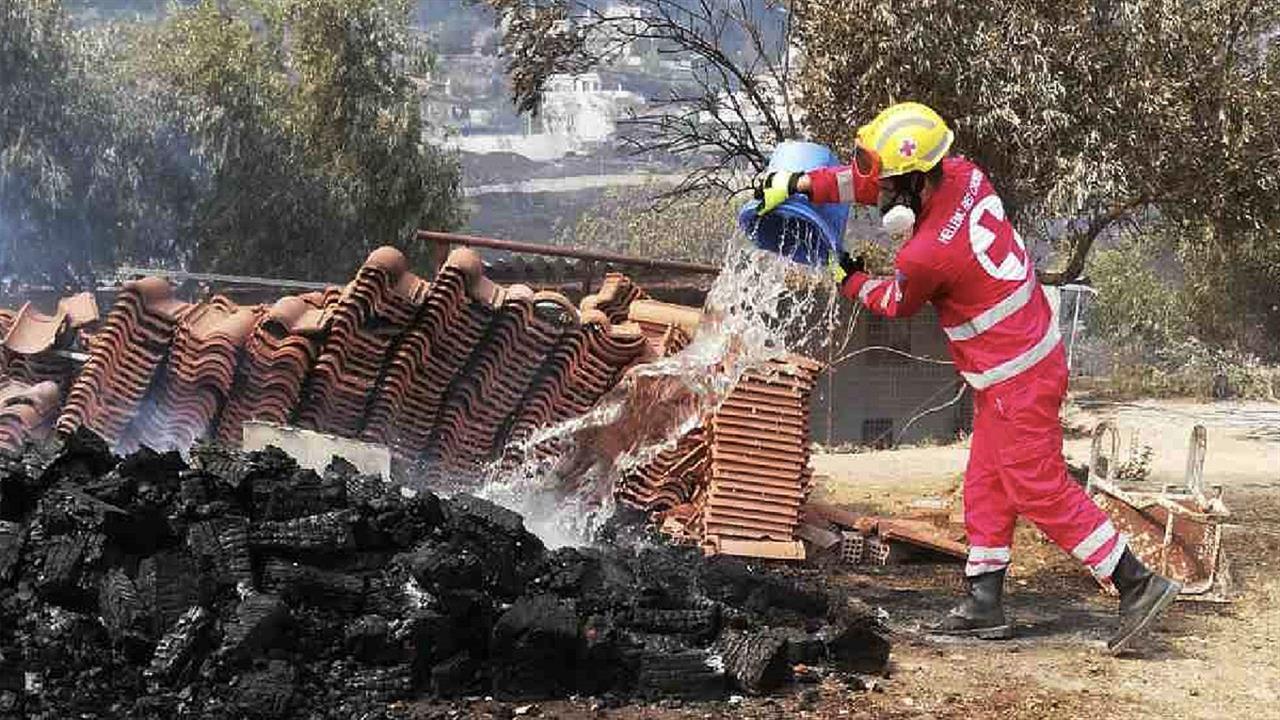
(260, 136)
(83, 179)
(1100, 113)
(304, 117)
(690, 227)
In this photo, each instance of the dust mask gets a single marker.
(899, 221)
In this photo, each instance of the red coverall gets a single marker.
(966, 258)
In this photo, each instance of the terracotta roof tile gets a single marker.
(125, 354)
(451, 371)
(370, 316)
(197, 379)
(614, 298)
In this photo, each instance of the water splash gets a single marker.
(760, 308)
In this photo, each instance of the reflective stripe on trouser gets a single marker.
(983, 559)
(1016, 468)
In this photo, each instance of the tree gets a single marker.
(691, 227)
(79, 178)
(1102, 112)
(262, 136)
(736, 103)
(307, 127)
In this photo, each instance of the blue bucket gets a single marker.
(798, 229)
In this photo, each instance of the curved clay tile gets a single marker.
(232, 324)
(34, 332)
(518, 291)
(81, 309)
(411, 288)
(287, 310)
(389, 260)
(480, 288)
(652, 311)
(10, 388)
(45, 396)
(320, 299)
(26, 412)
(152, 289)
(556, 298)
(296, 316)
(595, 317)
(614, 298)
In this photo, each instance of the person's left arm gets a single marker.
(912, 285)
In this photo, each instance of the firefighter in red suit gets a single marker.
(963, 255)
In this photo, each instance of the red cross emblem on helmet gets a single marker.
(908, 148)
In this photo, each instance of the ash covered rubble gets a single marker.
(239, 585)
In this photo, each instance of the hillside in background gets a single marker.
(467, 107)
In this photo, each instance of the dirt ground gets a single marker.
(1203, 661)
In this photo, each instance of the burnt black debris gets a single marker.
(239, 585)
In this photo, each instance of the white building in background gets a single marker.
(575, 113)
(615, 43)
(580, 108)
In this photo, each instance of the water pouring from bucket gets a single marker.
(798, 229)
(758, 308)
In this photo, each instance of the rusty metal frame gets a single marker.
(447, 239)
(1176, 530)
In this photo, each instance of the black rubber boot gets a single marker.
(1144, 595)
(981, 614)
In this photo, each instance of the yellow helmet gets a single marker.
(908, 137)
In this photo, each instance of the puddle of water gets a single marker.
(760, 308)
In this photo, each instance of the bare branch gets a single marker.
(728, 119)
(1083, 241)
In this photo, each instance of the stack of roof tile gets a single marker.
(446, 371)
(277, 357)
(587, 362)
(675, 478)
(370, 317)
(597, 345)
(196, 381)
(760, 474)
(671, 483)
(490, 389)
(667, 327)
(736, 484)
(450, 372)
(27, 411)
(615, 297)
(124, 356)
(32, 340)
(430, 354)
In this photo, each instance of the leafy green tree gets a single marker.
(308, 128)
(1098, 111)
(1141, 309)
(79, 178)
(690, 227)
(1125, 116)
(263, 136)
